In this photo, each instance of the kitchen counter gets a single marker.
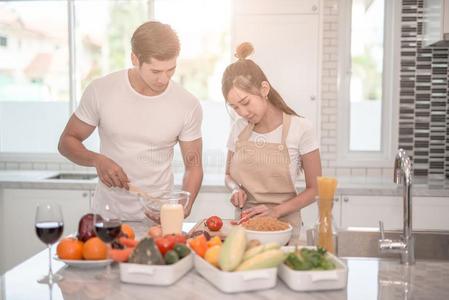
(360, 185)
(367, 279)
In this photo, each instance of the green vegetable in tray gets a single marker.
(182, 250)
(171, 257)
(309, 259)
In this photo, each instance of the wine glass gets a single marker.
(49, 226)
(107, 227)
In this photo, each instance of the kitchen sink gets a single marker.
(363, 242)
(73, 176)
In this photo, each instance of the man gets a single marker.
(140, 114)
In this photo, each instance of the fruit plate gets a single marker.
(155, 274)
(85, 264)
(234, 282)
(314, 280)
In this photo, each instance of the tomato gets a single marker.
(171, 238)
(165, 244)
(180, 239)
(214, 223)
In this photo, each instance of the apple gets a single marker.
(86, 227)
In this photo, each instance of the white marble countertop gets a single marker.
(367, 279)
(350, 185)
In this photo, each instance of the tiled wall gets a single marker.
(424, 97)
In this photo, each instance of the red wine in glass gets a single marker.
(107, 227)
(107, 231)
(49, 226)
(49, 232)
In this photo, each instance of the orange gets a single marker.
(129, 231)
(70, 248)
(95, 249)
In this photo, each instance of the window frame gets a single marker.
(390, 90)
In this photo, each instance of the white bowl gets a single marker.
(281, 236)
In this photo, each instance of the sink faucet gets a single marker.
(406, 245)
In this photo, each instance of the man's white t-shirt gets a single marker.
(300, 140)
(139, 133)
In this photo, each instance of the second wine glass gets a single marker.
(107, 227)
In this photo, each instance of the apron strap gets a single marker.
(285, 127)
(246, 133)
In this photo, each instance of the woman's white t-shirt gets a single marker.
(300, 140)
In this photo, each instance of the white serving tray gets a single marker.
(155, 274)
(233, 282)
(314, 280)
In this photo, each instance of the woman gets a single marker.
(267, 147)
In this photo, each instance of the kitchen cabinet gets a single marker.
(430, 213)
(286, 38)
(366, 211)
(18, 207)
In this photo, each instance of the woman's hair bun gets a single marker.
(244, 50)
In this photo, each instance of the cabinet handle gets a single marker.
(312, 98)
(84, 195)
(346, 199)
(336, 199)
(314, 8)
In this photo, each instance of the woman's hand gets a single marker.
(238, 197)
(110, 173)
(261, 210)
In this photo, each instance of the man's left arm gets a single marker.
(193, 175)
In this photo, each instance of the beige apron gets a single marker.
(263, 171)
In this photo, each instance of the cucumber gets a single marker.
(259, 249)
(232, 250)
(267, 259)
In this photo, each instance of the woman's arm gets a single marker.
(238, 195)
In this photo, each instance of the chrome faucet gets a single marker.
(406, 245)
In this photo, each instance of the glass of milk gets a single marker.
(172, 211)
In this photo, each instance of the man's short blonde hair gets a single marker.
(155, 39)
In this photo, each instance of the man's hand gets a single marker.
(110, 173)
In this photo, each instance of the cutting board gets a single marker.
(222, 233)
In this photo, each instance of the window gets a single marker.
(34, 77)
(34, 80)
(366, 88)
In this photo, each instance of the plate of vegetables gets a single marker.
(311, 269)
